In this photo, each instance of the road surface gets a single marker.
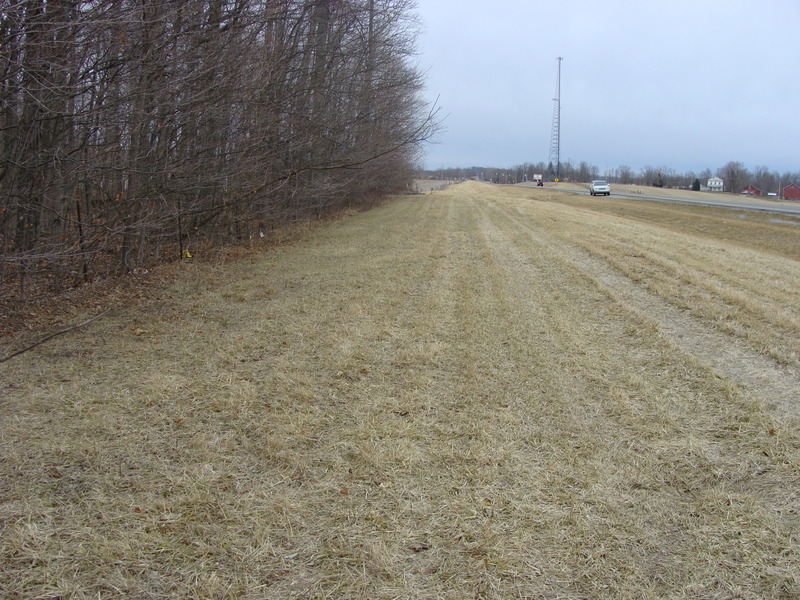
(724, 201)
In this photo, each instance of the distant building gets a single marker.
(715, 184)
(751, 190)
(791, 192)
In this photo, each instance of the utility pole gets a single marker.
(555, 134)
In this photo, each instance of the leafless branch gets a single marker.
(51, 336)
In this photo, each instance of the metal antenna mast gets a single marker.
(555, 134)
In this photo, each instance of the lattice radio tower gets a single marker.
(555, 134)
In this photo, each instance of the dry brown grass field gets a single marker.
(482, 392)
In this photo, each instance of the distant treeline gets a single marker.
(130, 129)
(735, 175)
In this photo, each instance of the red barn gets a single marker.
(791, 192)
(751, 190)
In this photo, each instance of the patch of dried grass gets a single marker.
(424, 400)
(739, 274)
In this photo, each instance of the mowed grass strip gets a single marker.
(422, 401)
(735, 269)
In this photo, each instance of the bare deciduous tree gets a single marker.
(129, 128)
(734, 174)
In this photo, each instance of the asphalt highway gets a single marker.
(749, 204)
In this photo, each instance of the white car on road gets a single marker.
(598, 186)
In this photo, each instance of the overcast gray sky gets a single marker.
(685, 84)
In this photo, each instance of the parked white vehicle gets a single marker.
(598, 187)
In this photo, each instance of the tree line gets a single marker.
(734, 173)
(131, 129)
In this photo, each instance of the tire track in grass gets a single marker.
(726, 274)
(405, 443)
(497, 462)
(542, 472)
(460, 413)
(426, 400)
(679, 443)
(729, 356)
(560, 446)
(746, 293)
(493, 432)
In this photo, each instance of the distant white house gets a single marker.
(715, 184)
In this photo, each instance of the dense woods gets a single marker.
(130, 129)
